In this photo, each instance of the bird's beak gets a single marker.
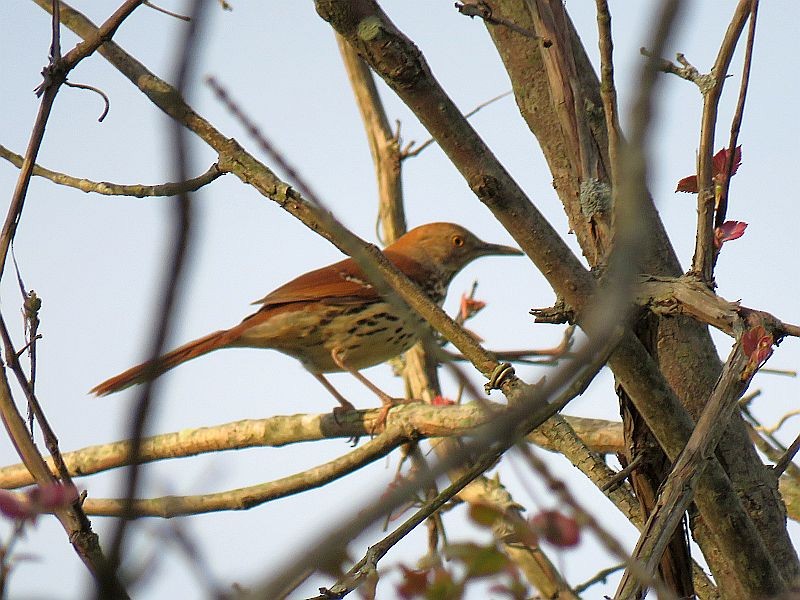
(499, 250)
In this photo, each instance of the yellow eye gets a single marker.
(458, 241)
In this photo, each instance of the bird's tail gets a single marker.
(152, 369)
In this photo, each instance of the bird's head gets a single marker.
(447, 247)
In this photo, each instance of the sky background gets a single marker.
(97, 262)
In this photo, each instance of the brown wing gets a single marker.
(340, 282)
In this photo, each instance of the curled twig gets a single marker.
(99, 92)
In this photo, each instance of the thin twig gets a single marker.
(600, 577)
(407, 152)
(608, 91)
(117, 189)
(98, 91)
(623, 474)
(736, 123)
(686, 71)
(787, 457)
(166, 12)
(780, 423)
(482, 10)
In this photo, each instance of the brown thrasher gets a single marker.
(333, 319)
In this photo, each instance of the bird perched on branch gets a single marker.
(333, 319)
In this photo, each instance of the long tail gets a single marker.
(152, 369)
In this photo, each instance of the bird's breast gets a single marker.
(363, 334)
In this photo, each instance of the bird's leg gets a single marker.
(345, 404)
(387, 401)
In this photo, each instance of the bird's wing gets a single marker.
(340, 282)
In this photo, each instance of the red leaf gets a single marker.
(560, 530)
(720, 162)
(757, 345)
(12, 507)
(688, 184)
(37, 500)
(470, 307)
(414, 585)
(718, 170)
(729, 230)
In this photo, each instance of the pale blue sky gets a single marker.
(96, 261)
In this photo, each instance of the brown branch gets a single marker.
(418, 420)
(783, 461)
(678, 490)
(251, 496)
(736, 123)
(686, 71)
(106, 188)
(384, 145)
(703, 260)
(608, 91)
(688, 296)
(407, 152)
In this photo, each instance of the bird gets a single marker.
(333, 319)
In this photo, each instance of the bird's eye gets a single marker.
(458, 241)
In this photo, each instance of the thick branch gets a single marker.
(678, 490)
(688, 296)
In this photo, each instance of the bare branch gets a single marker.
(703, 260)
(686, 71)
(678, 490)
(384, 145)
(688, 296)
(736, 123)
(116, 189)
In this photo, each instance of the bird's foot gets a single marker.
(388, 404)
(339, 412)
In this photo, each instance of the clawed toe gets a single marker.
(339, 412)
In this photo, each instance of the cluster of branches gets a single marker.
(712, 468)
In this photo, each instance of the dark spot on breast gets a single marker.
(371, 331)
